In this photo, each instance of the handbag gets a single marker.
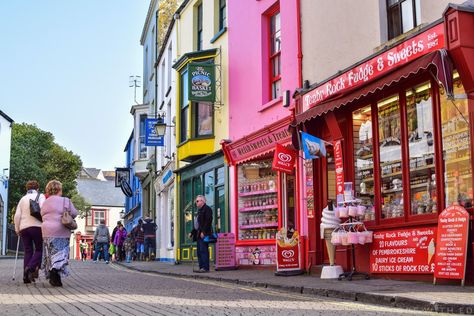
(35, 209)
(66, 219)
(212, 238)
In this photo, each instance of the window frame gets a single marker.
(195, 120)
(199, 27)
(222, 14)
(391, 32)
(184, 107)
(272, 56)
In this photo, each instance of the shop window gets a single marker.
(275, 55)
(390, 157)
(456, 141)
(183, 117)
(257, 201)
(171, 216)
(364, 160)
(402, 16)
(203, 119)
(220, 176)
(421, 149)
(187, 202)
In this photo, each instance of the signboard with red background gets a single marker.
(339, 168)
(403, 251)
(284, 159)
(422, 44)
(288, 251)
(451, 244)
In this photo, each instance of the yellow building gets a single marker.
(201, 116)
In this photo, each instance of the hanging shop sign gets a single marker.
(411, 49)
(284, 159)
(260, 144)
(201, 82)
(308, 187)
(225, 251)
(403, 251)
(288, 251)
(151, 137)
(451, 244)
(339, 170)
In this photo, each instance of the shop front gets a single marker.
(403, 117)
(263, 200)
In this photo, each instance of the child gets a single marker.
(128, 246)
(118, 242)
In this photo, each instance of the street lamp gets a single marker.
(160, 126)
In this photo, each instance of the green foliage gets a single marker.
(81, 205)
(35, 156)
(166, 10)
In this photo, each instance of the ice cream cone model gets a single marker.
(431, 250)
(331, 251)
(329, 222)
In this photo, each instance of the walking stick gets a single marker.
(16, 256)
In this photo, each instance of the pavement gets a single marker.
(411, 295)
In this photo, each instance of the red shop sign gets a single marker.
(403, 251)
(288, 251)
(451, 244)
(411, 49)
(339, 168)
(284, 159)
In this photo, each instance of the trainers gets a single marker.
(107, 262)
(95, 261)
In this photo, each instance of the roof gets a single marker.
(100, 193)
(6, 116)
(109, 175)
(91, 173)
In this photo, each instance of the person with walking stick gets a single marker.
(29, 229)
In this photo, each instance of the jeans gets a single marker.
(105, 249)
(149, 246)
(203, 254)
(33, 246)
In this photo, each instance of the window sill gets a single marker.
(270, 104)
(219, 34)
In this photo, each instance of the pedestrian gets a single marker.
(29, 228)
(84, 247)
(55, 235)
(128, 246)
(120, 236)
(149, 233)
(101, 240)
(203, 227)
(137, 233)
(112, 238)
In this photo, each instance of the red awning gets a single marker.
(438, 63)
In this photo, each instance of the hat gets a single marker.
(119, 222)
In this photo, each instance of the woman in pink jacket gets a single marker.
(55, 235)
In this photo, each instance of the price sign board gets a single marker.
(451, 244)
(225, 251)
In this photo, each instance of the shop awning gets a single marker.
(438, 63)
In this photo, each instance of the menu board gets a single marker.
(225, 251)
(403, 251)
(451, 244)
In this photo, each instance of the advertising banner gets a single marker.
(288, 251)
(451, 244)
(151, 137)
(284, 159)
(201, 82)
(225, 251)
(339, 170)
(422, 44)
(309, 187)
(403, 251)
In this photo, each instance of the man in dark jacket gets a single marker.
(149, 233)
(203, 226)
(101, 240)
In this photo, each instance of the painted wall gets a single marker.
(249, 106)
(5, 149)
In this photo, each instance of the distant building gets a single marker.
(107, 204)
(5, 148)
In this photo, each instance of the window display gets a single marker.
(258, 201)
(421, 149)
(364, 163)
(456, 141)
(390, 157)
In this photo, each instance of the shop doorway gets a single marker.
(288, 192)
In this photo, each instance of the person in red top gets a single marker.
(138, 235)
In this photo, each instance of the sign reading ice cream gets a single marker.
(403, 251)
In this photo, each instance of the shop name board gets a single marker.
(403, 251)
(260, 144)
(202, 82)
(151, 137)
(451, 244)
(422, 44)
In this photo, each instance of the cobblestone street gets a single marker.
(100, 289)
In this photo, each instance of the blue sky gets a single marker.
(65, 67)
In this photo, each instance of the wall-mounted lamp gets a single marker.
(160, 126)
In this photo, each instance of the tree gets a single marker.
(81, 205)
(35, 156)
(166, 10)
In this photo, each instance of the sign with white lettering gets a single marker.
(202, 82)
(451, 244)
(288, 251)
(403, 251)
(284, 159)
(151, 137)
(422, 44)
